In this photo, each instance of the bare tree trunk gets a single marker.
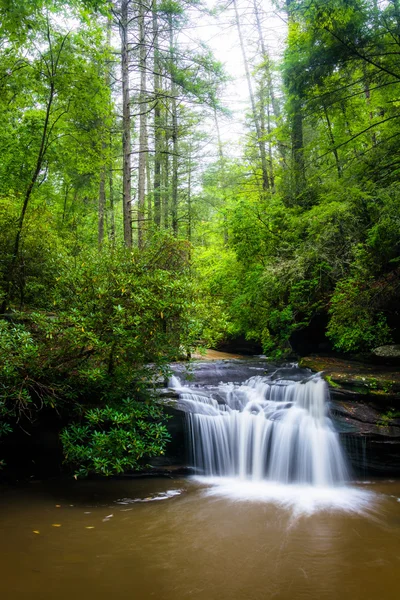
(267, 62)
(174, 136)
(157, 121)
(174, 194)
(298, 163)
(149, 192)
(222, 174)
(271, 92)
(126, 126)
(298, 148)
(260, 140)
(105, 147)
(332, 140)
(142, 126)
(165, 190)
(111, 188)
(102, 203)
(265, 126)
(271, 164)
(189, 200)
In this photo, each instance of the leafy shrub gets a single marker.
(114, 439)
(354, 325)
(118, 319)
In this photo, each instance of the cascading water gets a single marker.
(266, 428)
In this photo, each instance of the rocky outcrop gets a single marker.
(390, 351)
(365, 405)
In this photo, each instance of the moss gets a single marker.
(314, 363)
(330, 381)
(387, 418)
(356, 377)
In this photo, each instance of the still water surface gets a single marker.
(184, 538)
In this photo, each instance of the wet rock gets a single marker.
(365, 406)
(389, 351)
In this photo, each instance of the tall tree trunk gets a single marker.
(266, 62)
(126, 126)
(157, 121)
(39, 162)
(296, 122)
(111, 192)
(270, 157)
(265, 126)
(165, 187)
(149, 192)
(174, 136)
(142, 125)
(102, 203)
(332, 141)
(270, 89)
(189, 199)
(260, 140)
(299, 175)
(165, 155)
(221, 176)
(105, 147)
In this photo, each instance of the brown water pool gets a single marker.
(177, 539)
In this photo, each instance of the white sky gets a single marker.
(222, 37)
(220, 34)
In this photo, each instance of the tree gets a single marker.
(257, 118)
(123, 20)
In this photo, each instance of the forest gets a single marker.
(131, 234)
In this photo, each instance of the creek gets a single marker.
(273, 510)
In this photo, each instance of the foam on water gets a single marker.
(299, 499)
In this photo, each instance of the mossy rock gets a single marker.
(355, 377)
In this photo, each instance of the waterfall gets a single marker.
(264, 429)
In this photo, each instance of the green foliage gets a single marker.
(109, 315)
(117, 312)
(325, 244)
(87, 323)
(354, 325)
(115, 439)
(18, 353)
(113, 323)
(287, 265)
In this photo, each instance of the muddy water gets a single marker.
(176, 539)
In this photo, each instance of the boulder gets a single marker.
(389, 351)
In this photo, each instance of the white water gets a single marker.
(264, 430)
(270, 440)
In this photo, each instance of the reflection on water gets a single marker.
(173, 539)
